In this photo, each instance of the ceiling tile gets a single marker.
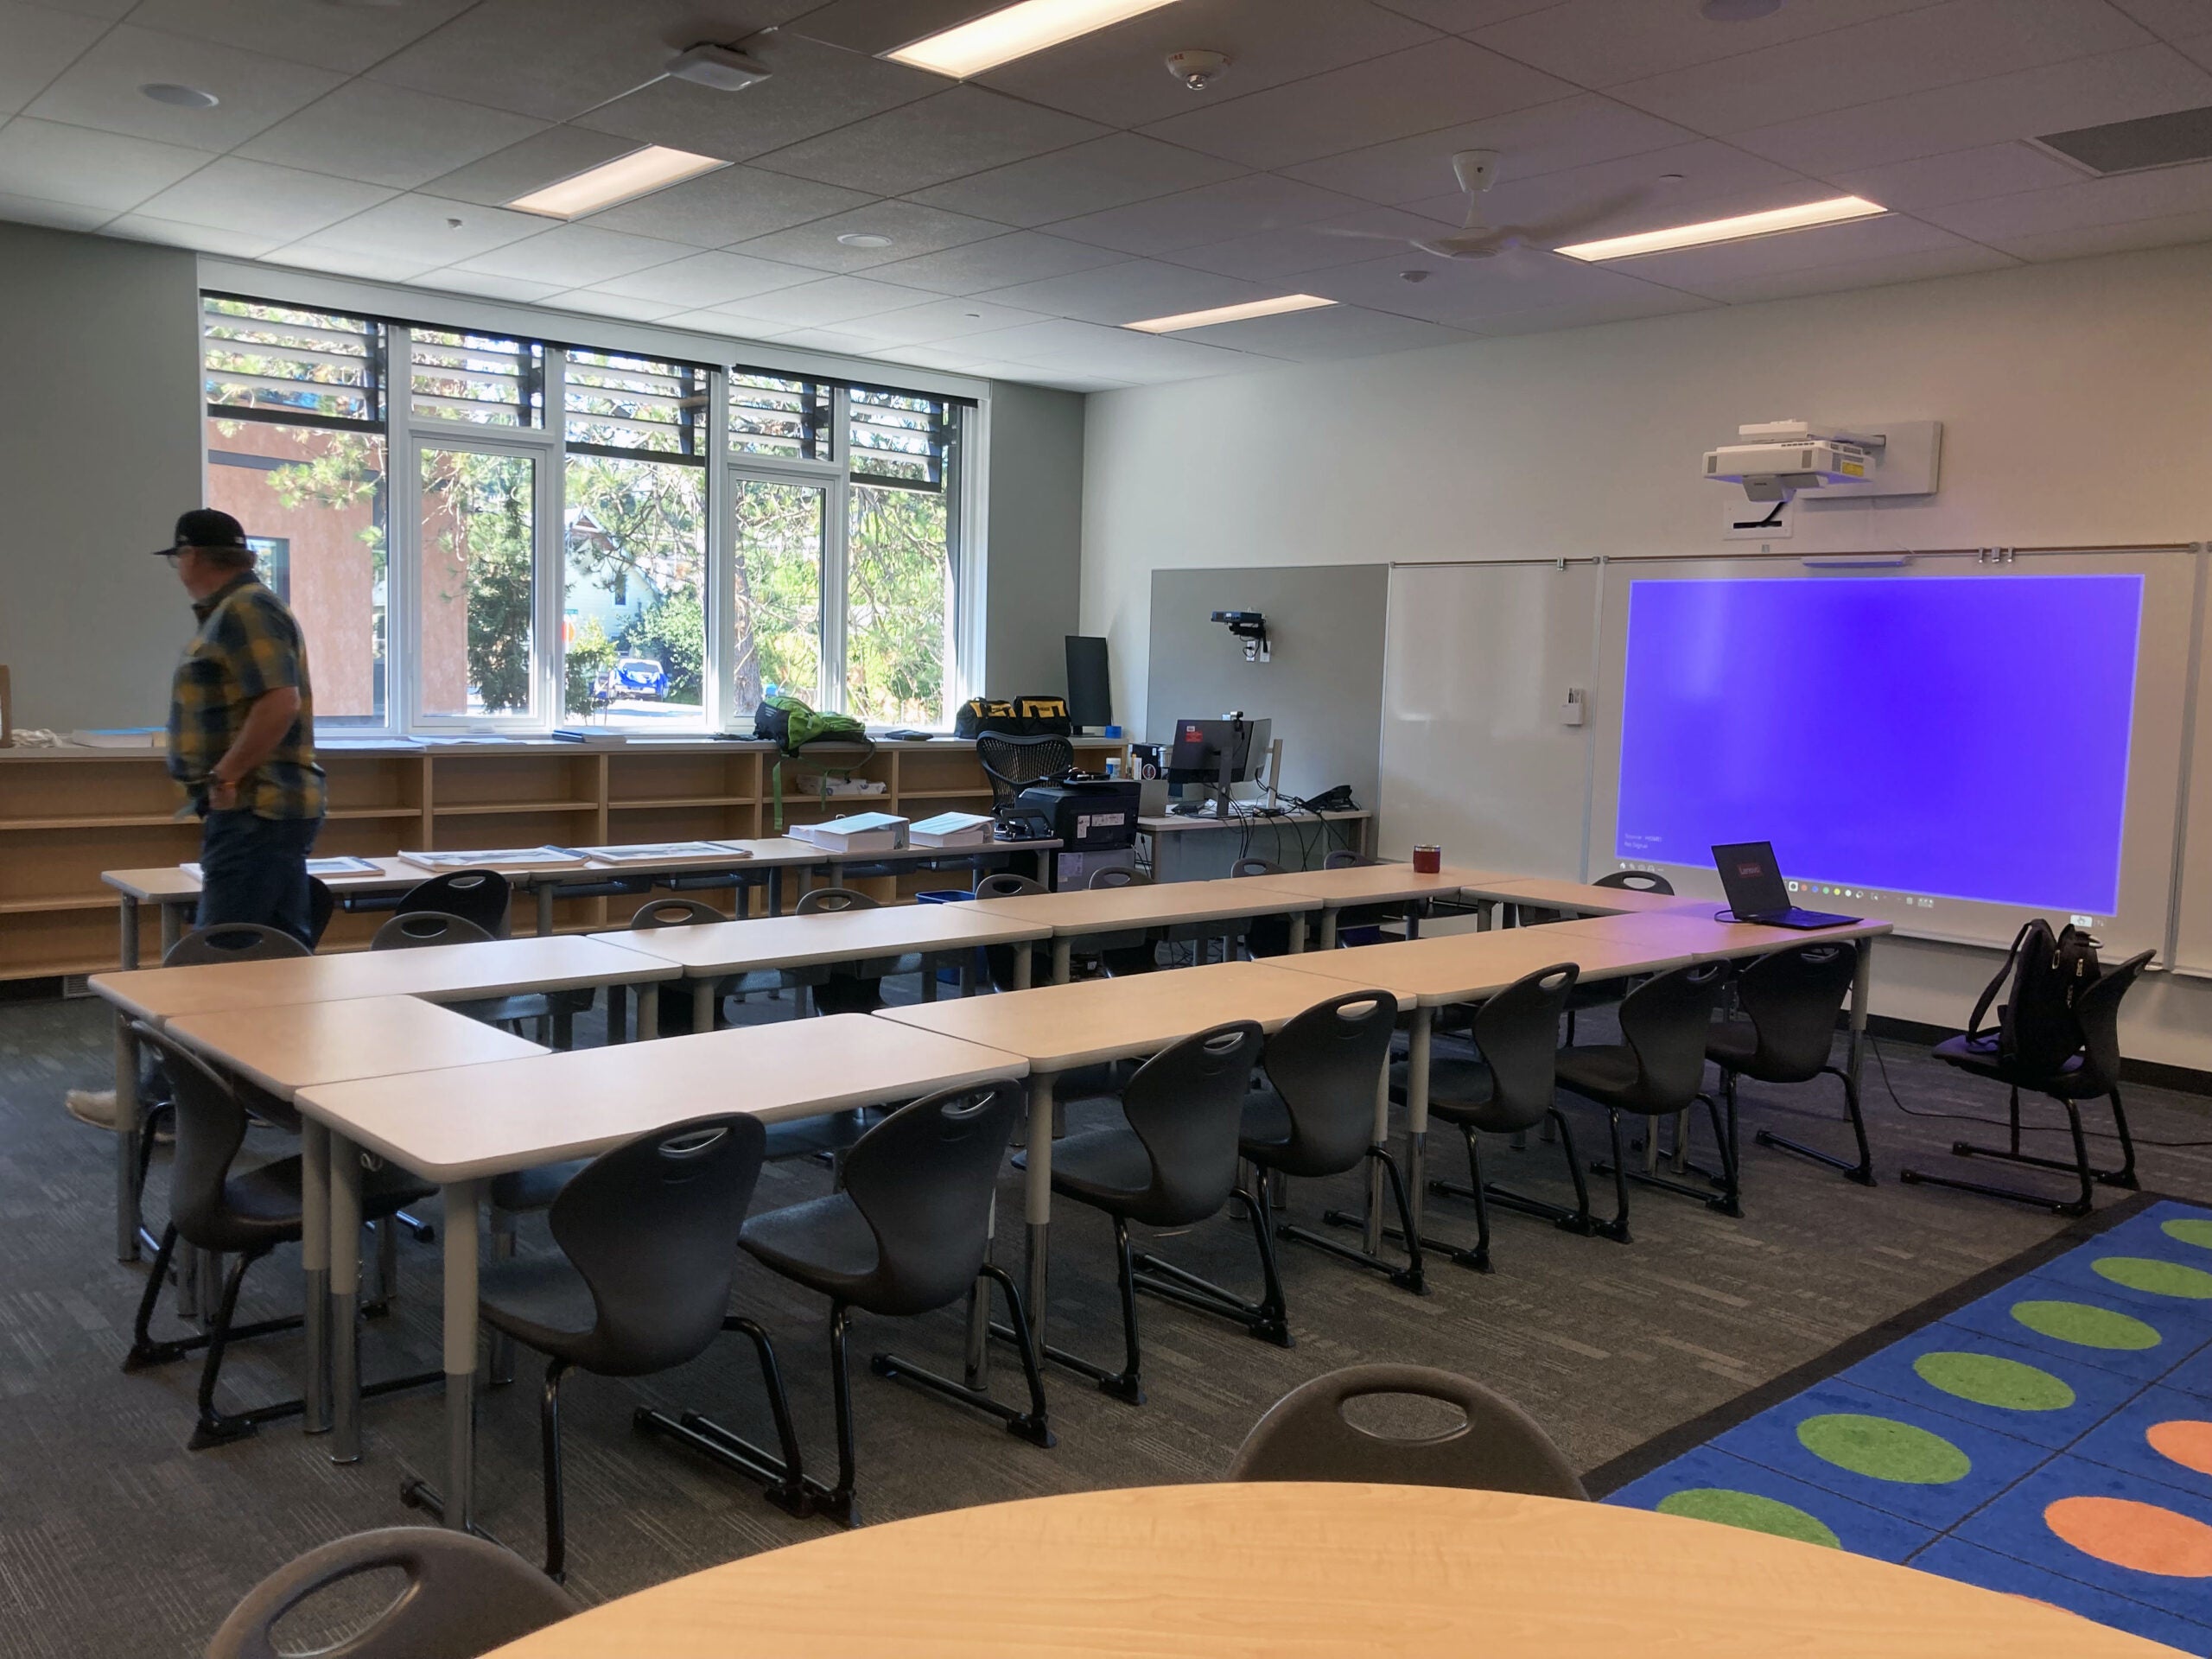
(813, 89)
(598, 302)
(873, 26)
(1460, 16)
(345, 37)
(1567, 132)
(2057, 97)
(481, 284)
(956, 132)
(2087, 239)
(1119, 75)
(1118, 352)
(1636, 305)
(1919, 266)
(575, 256)
(2197, 50)
(1245, 206)
(539, 160)
(1000, 262)
(388, 135)
(1134, 291)
(1331, 333)
(555, 59)
(419, 227)
(236, 243)
(2162, 192)
(1958, 176)
(1601, 43)
(731, 205)
(55, 215)
(1467, 293)
(1444, 84)
(44, 159)
(704, 280)
(1911, 52)
(952, 360)
(256, 199)
(108, 11)
(914, 230)
(1348, 240)
(1829, 245)
(941, 320)
(369, 267)
(2171, 20)
(100, 89)
(826, 301)
(824, 339)
(36, 45)
(1121, 167)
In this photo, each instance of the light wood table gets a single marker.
(284, 1050)
(175, 891)
(1277, 1570)
(1575, 898)
(1160, 904)
(1371, 884)
(1426, 974)
(1056, 1028)
(706, 952)
(461, 1127)
(450, 972)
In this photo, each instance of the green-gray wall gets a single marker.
(1034, 584)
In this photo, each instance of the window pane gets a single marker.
(634, 614)
(312, 501)
(636, 404)
(480, 590)
(473, 377)
(900, 435)
(770, 415)
(276, 357)
(779, 598)
(898, 605)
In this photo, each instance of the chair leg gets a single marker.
(2124, 1175)
(1617, 1229)
(217, 1427)
(783, 1477)
(838, 1504)
(2080, 1167)
(1034, 1425)
(144, 1351)
(1863, 1171)
(501, 1372)
(1128, 1383)
(1409, 1275)
(1725, 1201)
(548, 1431)
(387, 1262)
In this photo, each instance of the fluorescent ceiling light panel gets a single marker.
(1016, 31)
(1275, 308)
(654, 167)
(1803, 217)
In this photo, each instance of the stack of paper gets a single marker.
(954, 829)
(864, 832)
(506, 858)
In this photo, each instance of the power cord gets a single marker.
(1882, 1063)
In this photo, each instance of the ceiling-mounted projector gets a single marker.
(1779, 458)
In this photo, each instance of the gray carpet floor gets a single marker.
(114, 1540)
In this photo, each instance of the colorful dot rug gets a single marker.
(2046, 1430)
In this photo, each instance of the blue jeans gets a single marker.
(254, 870)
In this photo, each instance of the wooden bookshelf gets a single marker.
(66, 815)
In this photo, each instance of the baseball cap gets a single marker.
(205, 527)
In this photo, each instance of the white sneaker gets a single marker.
(92, 1106)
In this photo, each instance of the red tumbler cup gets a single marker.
(1427, 860)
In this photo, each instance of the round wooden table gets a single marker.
(1275, 1569)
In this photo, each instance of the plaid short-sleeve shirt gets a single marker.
(248, 643)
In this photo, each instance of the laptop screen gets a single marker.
(1749, 878)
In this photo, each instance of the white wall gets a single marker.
(2076, 400)
(1036, 539)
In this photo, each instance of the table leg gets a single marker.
(1417, 1060)
(648, 1011)
(1038, 1198)
(979, 1311)
(1298, 933)
(544, 908)
(129, 921)
(929, 977)
(345, 1299)
(172, 926)
(1329, 927)
(1862, 988)
(314, 1261)
(617, 1013)
(702, 1004)
(776, 891)
(1063, 960)
(460, 1202)
(126, 1140)
(1025, 965)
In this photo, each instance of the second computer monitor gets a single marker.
(1201, 746)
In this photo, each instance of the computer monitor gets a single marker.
(1216, 753)
(1090, 695)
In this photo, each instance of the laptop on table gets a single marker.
(1756, 892)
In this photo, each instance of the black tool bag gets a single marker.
(2037, 1029)
(1023, 717)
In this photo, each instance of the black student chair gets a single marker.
(1509, 1089)
(1173, 1163)
(1655, 1071)
(1121, 954)
(1264, 936)
(2092, 1069)
(641, 1284)
(908, 1235)
(1495, 1447)
(242, 1213)
(1314, 1115)
(1788, 1002)
(417, 930)
(999, 959)
(463, 1597)
(484, 897)
(676, 1006)
(1013, 763)
(1361, 923)
(1606, 992)
(857, 988)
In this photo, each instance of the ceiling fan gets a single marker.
(1477, 238)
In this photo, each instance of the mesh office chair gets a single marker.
(2091, 1070)
(1789, 1001)
(1174, 1164)
(909, 1235)
(1012, 763)
(1655, 1071)
(648, 1246)
(245, 1213)
(1509, 1089)
(464, 1596)
(1315, 1115)
(1498, 1448)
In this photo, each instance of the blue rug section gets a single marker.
(2052, 1439)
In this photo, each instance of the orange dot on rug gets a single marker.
(2185, 1441)
(2141, 1537)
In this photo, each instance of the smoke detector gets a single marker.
(1196, 70)
(723, 67)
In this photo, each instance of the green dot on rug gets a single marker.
(2147, 1272)
(1751, 1512)
(2086, 1325)
(1993, 1380)
(2190, 1230)
(1882, 1448)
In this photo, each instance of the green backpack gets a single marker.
(791, 725)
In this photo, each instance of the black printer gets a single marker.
(1087, 815)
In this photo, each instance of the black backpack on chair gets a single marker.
(2038, 1030)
